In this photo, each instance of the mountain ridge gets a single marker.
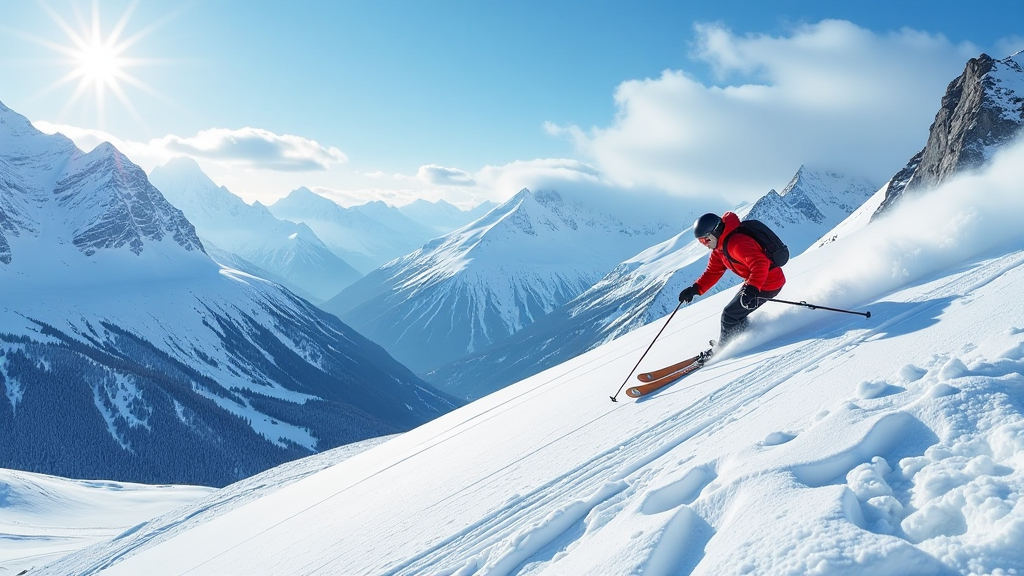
(127, 353)
(290, 251)
(491, 278)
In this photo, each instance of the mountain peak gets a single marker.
(982, 109)
(183, 163)
(524, 193)
(303, 192)
(305, 201)
(183, 169)
(116, 205)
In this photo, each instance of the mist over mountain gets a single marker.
(127, 353)
(443, 217)
(361, 236)
(288, 251)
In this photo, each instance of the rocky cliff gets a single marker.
(982, 109)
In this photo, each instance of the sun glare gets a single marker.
(98, 62)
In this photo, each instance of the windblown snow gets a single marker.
(822, 443)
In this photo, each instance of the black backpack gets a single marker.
(773, 246)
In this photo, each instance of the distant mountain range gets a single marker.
(372, 234)
(442, 217)
(288, 251)
(127, 353)
(279, 246)
(645, 287)
(464, 291)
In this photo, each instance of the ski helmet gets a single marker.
(708, 225)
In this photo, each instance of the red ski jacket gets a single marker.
(748, 261)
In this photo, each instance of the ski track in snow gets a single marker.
(484, 545)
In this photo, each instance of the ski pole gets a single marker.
(646, 351)
(816, 307)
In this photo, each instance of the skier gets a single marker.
(747, 259)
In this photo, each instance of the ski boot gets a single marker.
(706, 355)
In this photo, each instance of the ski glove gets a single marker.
(748, 297)
(687, 294)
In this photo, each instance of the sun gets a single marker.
(99, 63)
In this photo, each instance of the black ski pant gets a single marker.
(734, 317)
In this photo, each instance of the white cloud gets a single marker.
(581, 181)
(249, 147)
(255, 147)
(441, 176)
(542, 173)
(1007, 47)
(829, 94)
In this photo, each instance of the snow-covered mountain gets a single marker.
(354, 234)
(819, 444)
(645, 287)
(490, 279)
(287, 250)
(127, 353)
(443, 217)
(395, 219)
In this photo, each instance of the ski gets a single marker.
(658, 374)
(688, 367)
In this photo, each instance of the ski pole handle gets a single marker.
(816, 307)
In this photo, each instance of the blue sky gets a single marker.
(471, 100)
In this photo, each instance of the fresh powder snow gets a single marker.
(818, 443)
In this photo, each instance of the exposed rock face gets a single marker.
(112, 204)
(982, 109)
(101, 198)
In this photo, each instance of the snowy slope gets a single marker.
(352, 234)
(288, 250)
(47, 517)
(43, 518)
(126, 353)
(820, 444)
(487, 280)
(645, 287)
